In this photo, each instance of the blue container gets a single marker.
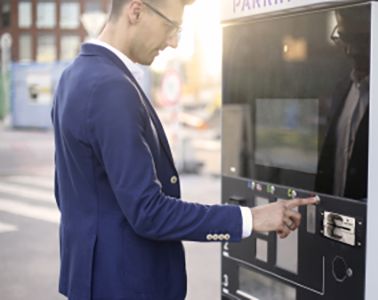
(32, 92)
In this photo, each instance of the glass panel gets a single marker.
(46, 14)
(5, 13)
(262, 201)
(25, 47)
(24, 14)
(263, 288)
(46, 50)
(295, 93)
(311, 219)
(262, 250)
(69, 15)
(69, 47)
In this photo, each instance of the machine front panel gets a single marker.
(295, 124)
(308, 262)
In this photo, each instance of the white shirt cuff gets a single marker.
(247, 221)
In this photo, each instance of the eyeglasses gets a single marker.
(344, 39)
(175, 27)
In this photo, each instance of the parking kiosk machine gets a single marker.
(300, 118)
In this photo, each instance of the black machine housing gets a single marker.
(285, 81)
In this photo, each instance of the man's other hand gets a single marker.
(280, 216)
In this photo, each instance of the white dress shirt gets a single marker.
(137, 72)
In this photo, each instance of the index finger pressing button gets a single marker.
(301, 202)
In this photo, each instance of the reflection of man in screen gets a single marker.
(343, 160)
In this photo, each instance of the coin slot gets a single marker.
(339, 227)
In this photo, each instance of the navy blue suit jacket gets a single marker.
(357, 171)
(122, 220)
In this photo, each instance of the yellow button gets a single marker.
(173, 179)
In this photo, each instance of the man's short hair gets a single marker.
(117, 6)
(355, 14)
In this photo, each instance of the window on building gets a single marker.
(46, 14)
(24, 14)
(69, 46)
(5, 13)
(25, 47)
(46, 49)
(93, 5)
(69, 14)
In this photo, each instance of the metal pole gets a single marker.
(6, 44)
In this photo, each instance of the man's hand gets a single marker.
(279, 216)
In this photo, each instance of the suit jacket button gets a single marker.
(227, 237)
(209, 237)
(173, 179)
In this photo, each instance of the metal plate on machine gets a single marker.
(340, 228)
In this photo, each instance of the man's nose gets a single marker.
(173, 41)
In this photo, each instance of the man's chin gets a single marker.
(360, 74)
(148, 61)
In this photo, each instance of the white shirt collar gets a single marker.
(134, 68)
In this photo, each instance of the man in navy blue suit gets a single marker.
(122, 220)
(343, 163)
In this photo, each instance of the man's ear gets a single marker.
(134, 10)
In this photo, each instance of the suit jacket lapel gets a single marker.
(91, 49)
(155, 119)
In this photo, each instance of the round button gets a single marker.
(173, 179)
(227, 237)
(209, 237)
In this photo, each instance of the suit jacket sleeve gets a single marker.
(116, 122)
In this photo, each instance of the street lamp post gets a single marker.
(5, 44)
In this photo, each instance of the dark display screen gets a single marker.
(295, 101)
(287, 134)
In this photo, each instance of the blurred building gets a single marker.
(46, 30)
